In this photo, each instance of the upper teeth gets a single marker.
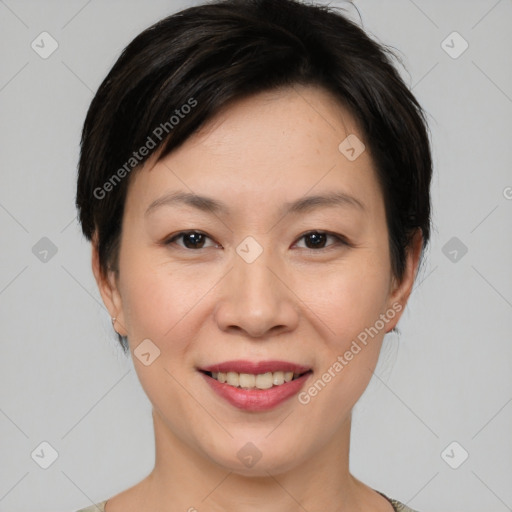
(249, 380)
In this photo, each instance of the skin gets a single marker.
(295, 302)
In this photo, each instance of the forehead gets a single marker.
(280, 145)
(282, 121)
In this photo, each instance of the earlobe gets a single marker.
(401, 291)
(108, 288)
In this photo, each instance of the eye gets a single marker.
(316, 239)
(191, 240)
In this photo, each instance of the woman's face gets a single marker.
(260, 280)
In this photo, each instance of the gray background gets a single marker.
(447, 378)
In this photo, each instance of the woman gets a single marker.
(254, 179)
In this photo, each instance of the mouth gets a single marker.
(256, 386)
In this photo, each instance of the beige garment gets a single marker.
(397, 506)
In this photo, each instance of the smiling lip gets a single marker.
(256, 400)
(241, 366)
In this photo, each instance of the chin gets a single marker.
(258, 458)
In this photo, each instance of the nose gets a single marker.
(257, 299)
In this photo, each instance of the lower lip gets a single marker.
(257, 399)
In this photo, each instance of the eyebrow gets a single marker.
(208, 204)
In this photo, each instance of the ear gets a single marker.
(108, 287)
(399, 292)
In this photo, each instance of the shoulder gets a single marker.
(98, 507)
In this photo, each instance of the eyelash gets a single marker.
(339, 240)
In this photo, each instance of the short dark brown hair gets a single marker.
(177, 74)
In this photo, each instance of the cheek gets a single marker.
(351, 304)
(159, 301)
(159, 307)
(348, 299)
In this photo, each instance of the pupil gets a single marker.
(318, 238)
(195, 237)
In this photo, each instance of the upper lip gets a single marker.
(256, 368)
